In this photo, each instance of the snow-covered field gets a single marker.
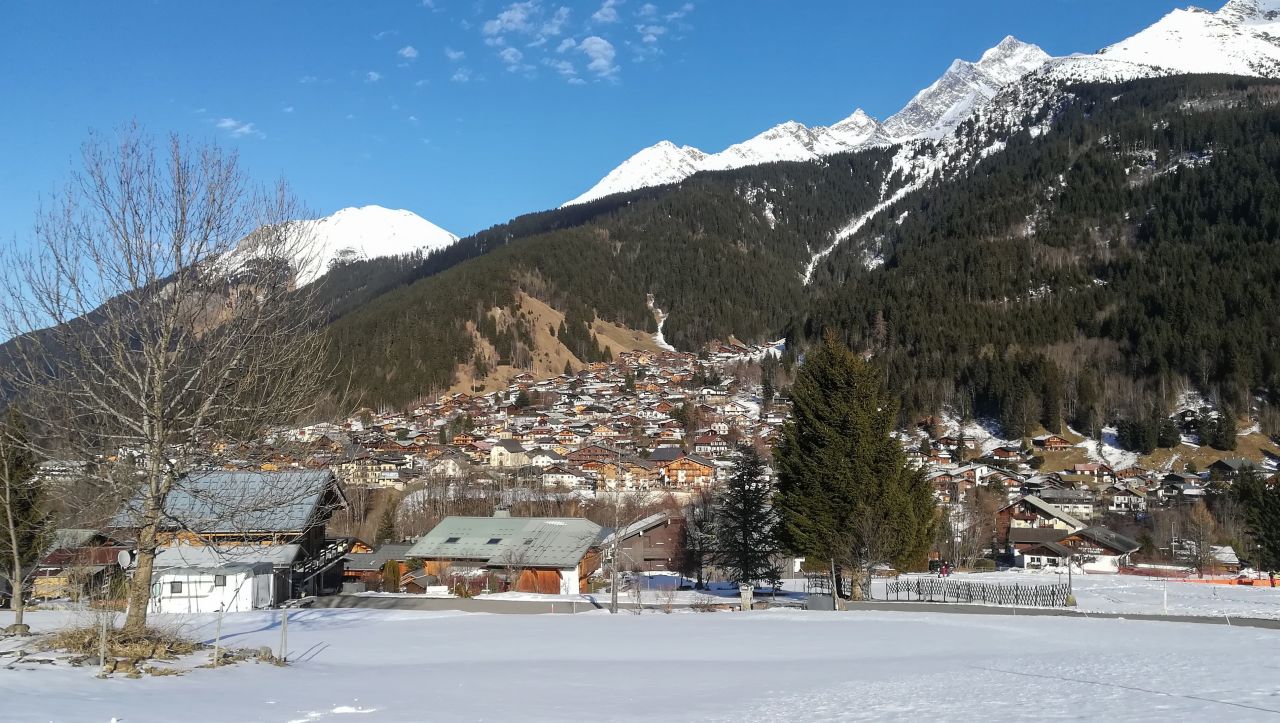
(372, 665)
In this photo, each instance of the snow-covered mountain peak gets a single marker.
(1239, 39)
(659, 164)
(858, 121)
(1011, 59)
(1251, 12)
(367, 232)
(966, 86)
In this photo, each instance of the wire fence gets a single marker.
(928, 589)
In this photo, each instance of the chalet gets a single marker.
(1229, 468)
(544, 458)
(1097, 549)
(1006, 453)
(1031, 511)
(1052, 443)
(245, 518)
(685, 472)
(592, 452)
(1079, 503)
(648, 545)
(1119, 497)
(560, 475)
(537, 554)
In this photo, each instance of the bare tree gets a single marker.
(157, 316)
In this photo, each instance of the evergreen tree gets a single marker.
(522, 400)
(698, 537)
(845, 491)
(391, 576)
(746, 525)
(1261, 504)
(1224, 430)
(386, 527)
(24, 518)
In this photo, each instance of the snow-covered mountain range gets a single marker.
(1242, 38)
(368, 232)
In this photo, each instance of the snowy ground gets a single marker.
(373, 665)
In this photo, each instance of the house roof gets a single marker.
(639, 526)
(558, 542)
(370, 561)
(221, 502)
(210, 557)
(1109, 539)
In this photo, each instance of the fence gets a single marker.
(930, 589)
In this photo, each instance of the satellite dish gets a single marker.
(125, 559)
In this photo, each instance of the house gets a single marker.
(1121, 498)
(220, 517)
(193, 579)
(365, 568)
(79, 563)
(1031, 511)
(1052, 442)
(648, 545)
(1229, 468)
(685, 472)
(508, 453)
(1097, 549)
(1079, 503)
(536, 554)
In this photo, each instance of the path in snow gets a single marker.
(856, 225)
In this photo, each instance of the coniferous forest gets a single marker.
(1081, 276)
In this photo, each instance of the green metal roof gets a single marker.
(558, 542)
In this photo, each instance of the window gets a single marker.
(493, 540)
(219, 580)
(175, 588)
(452, 540)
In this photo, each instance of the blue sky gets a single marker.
(469, 112)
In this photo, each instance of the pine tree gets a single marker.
(845, 491)
(746, 525)
(391, 576)
(386, 527)
(1261, 504)
(24, 518)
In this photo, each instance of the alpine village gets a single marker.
(1015, 348)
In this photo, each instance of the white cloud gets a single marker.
(461, 75)
(511, 56)
(413, 119)
(648, 10)
(650, 33)
(384, 34)
(307, 79)
(600, 55)
(566, 70)
(239, 129)
(372, 76)
(566, 44)
(608, 12)
(454, 56)
(408, 52)
(556, 23)
(430, 5)
(514, 19)
(287, 109)
(683, 11)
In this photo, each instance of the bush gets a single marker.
(984, 565)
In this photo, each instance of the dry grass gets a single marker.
(151, 644)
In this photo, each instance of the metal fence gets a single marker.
(930, 589)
